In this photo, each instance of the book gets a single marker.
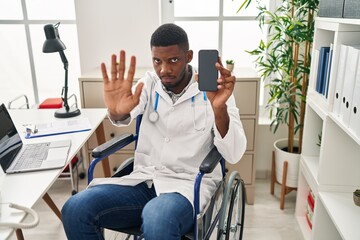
(321, 72)
(328, 71)
(51, 103)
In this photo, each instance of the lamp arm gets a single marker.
(65, 89)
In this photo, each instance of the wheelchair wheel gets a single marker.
(231, 221)
(236, 212)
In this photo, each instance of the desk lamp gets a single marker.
(54, 44)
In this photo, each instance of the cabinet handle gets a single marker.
(112, 135)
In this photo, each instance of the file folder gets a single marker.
(340, 78)
(354, 123)
(349, 82)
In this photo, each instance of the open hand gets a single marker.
(118, 96)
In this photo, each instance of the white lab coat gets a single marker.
(170, 151)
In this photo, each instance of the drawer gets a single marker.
(244, 167)
(94, 97)
(112, 131)
(245, 93)
(249, 128)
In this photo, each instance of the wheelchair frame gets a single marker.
(230, 193)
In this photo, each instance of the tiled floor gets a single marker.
(263, 220)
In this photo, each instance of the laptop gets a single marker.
(16, 156)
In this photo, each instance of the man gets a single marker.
(179, 127)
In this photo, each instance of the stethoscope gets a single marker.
(154, 115)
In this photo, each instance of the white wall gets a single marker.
(264, 146)
(107, 26)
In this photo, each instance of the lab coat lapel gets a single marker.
(192, 91)
(158, 88)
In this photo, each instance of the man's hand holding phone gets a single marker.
(213, 78)
(218, 88)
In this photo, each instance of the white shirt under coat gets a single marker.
(170, 151)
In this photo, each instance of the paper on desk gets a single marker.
(58, 127)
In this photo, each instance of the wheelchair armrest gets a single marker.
(112, 145)
(210, 161)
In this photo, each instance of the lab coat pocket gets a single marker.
(197, 119)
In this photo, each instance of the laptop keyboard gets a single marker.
(32, 156)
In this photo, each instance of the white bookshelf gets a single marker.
(332, 170)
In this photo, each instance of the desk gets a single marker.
(27, 188)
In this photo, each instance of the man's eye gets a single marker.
(174, 60)
(156, 61)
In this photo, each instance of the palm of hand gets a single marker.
(118, 95)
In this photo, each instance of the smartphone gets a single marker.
(208, 74)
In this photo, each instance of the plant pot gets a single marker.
(230, 67)
(356, 198)
(293, 160)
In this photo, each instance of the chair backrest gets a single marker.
(137, 127)
(23, 105)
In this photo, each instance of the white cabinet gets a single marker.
(246, 95)
(330, 170)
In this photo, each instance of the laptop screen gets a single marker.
(10, 141)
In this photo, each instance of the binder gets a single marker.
(328, 71)
(340, 78)
(322, 65)
(349, 82)
(354, 123)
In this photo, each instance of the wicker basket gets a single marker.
(356, 198)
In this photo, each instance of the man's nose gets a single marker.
(165, 68)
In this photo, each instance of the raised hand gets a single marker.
(218, 99)
(118, 96)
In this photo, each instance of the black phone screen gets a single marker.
(208, 74)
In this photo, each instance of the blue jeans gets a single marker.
(168, 216)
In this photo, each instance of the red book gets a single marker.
(311, 202)
(51, 103)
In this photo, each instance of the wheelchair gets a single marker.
(221, 219)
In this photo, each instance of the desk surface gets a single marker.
(27, 188)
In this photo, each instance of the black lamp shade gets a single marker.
(52, 42)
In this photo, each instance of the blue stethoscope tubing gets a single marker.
(154, 115)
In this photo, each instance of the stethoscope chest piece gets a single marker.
(154, 116)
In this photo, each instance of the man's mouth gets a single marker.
(167, 79)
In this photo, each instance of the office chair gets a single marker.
(226, 210)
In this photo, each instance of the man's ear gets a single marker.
(189, 56)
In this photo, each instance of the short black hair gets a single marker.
(169, 34)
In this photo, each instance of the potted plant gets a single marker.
(283, 60)
(230, 64)
(356, 197)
